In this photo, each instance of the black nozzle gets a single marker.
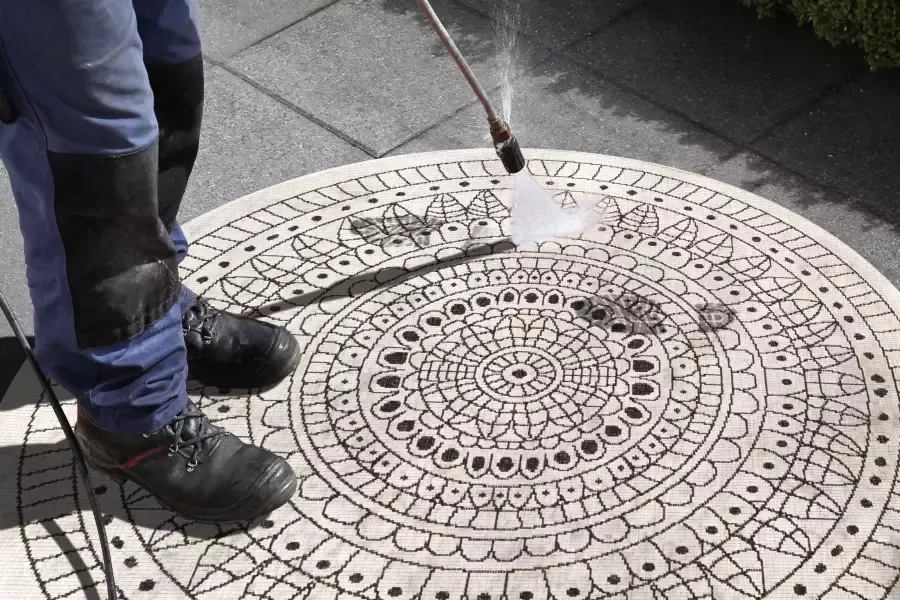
(511, 155)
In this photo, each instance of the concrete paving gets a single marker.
(298, 86)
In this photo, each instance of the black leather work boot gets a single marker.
(193, 467)
(230, 351)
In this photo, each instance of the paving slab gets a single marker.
(374, 70)
(250, 141)
(717, 63)
(556, 23)
(229, 26)
(875, 238)
(850, 141)
(562, 106)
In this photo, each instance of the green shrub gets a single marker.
(872, 25)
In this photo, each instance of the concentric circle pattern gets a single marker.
(697, 398)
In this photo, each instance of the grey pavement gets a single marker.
(296, 86)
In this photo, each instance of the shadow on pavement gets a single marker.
(11, 360)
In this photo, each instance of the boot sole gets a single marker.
(273, 502)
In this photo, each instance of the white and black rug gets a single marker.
(695, 399)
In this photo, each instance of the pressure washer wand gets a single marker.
(505, 142)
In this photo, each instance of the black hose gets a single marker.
(73, 443)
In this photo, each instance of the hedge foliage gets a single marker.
(873, 25)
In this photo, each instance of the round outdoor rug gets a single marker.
(697, 398)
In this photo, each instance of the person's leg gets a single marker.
(170, 33)
(82, 160)
(83, 163)
(223, 350)
(169, 30)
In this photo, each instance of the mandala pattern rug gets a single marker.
(696, 398)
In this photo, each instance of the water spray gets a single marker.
(505, 142)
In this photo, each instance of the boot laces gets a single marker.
(182, 440)
(199, 319)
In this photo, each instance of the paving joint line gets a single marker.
(463, 108)
(831, 188)
(736, 151)
(807, 106)
(282, 29)
(434, 125)
(556, 50)
(296, 109)
(649, 99)
(619, 18)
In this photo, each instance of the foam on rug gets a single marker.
(696, 398)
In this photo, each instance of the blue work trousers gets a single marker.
(103, 102)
